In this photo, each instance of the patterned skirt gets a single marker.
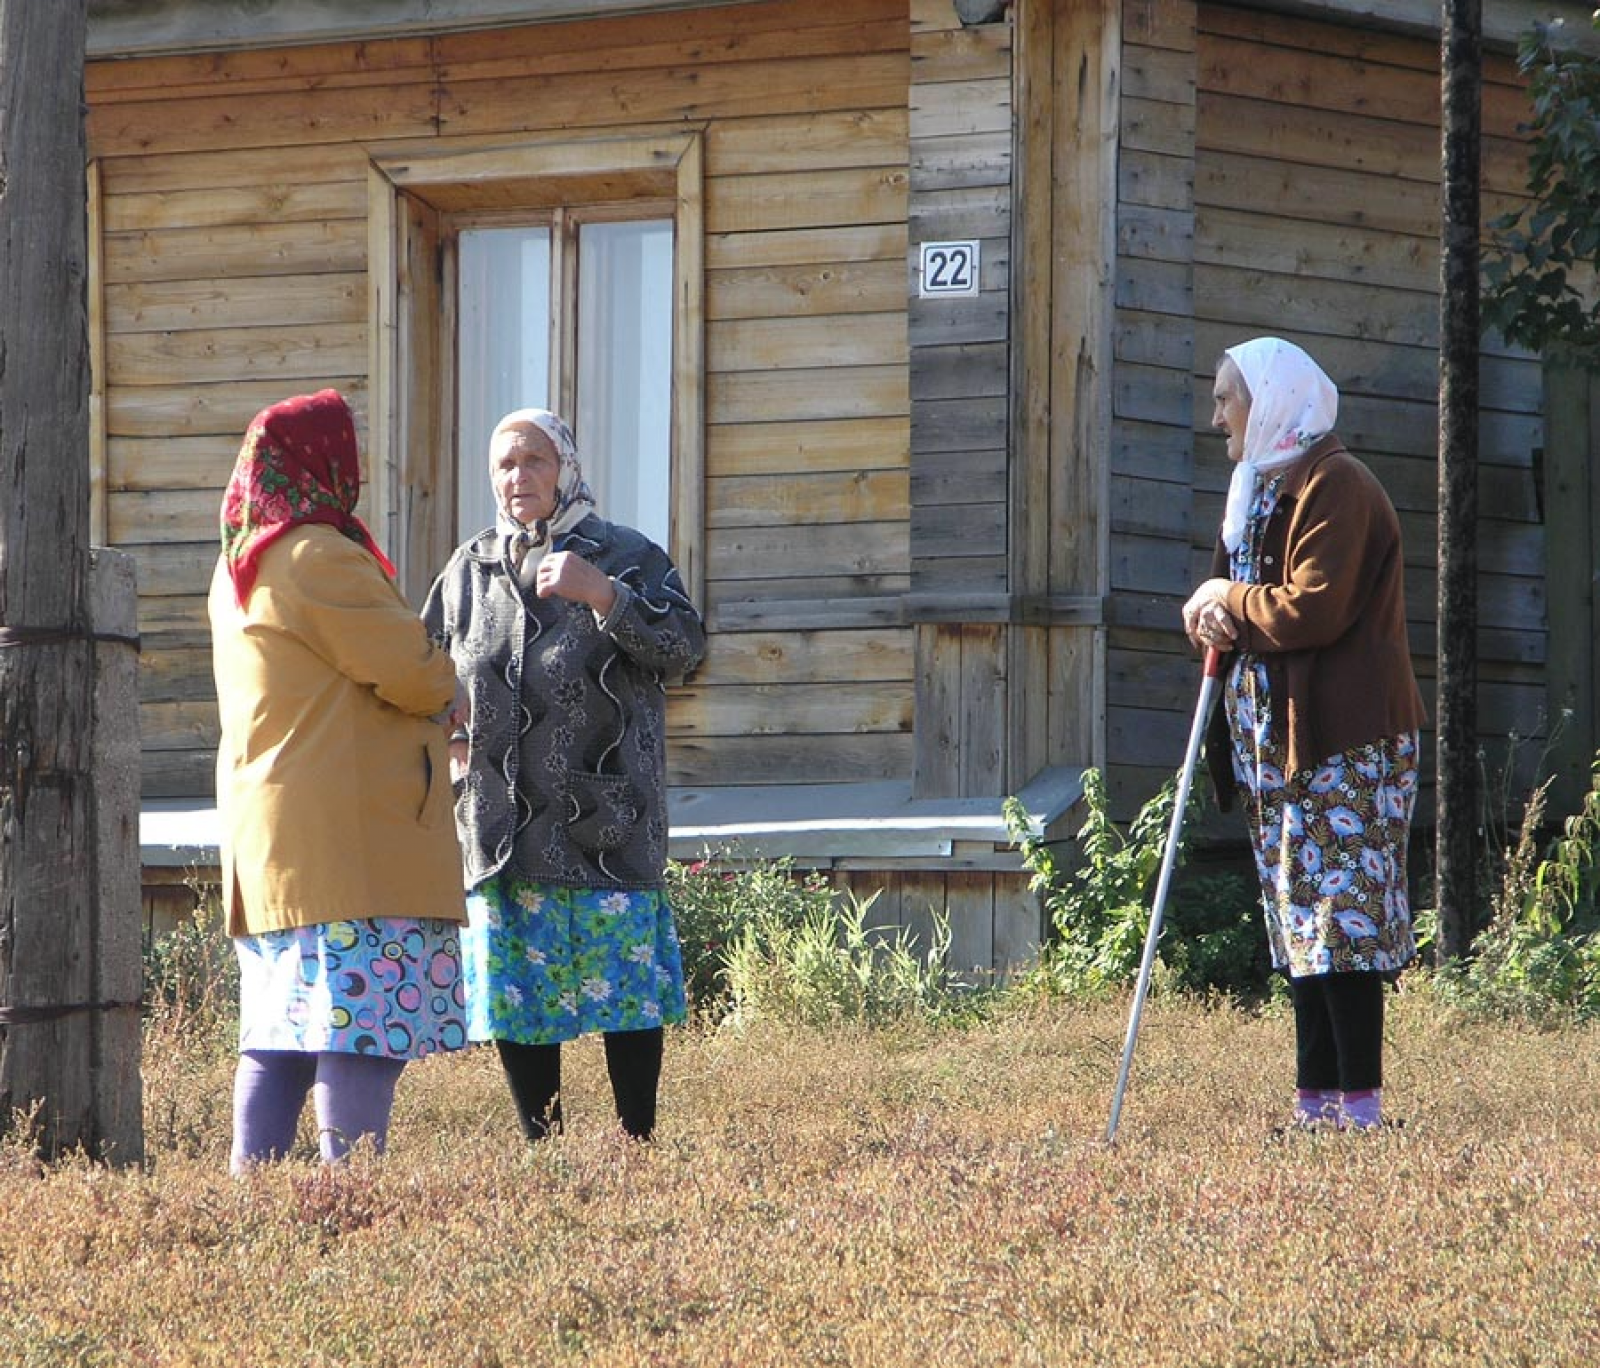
(387, 986)
(1330, 842)
(546, 963)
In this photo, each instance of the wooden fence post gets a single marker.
(61, 1035)
(116, 1090)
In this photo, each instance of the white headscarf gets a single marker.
(1293, 405)
(574, 501)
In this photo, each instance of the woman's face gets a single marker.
(1232, 409)
(524, 467)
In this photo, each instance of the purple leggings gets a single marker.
(352, 1093)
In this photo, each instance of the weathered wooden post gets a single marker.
(116, 1091)
(65, 1044)
(1456, 721)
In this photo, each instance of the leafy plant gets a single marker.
(1215, 942)
(191, 976)
(1540, 267)
(713, 902)
(1565, 886)
(1097, 910)
(762, 940)
(834, 967)
(1539, 956)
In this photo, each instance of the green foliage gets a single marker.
(833, 967)
(713, 902)
(1540, 267)
(1097, 910)
(191, 1033)
(1539, 956)
(763, 942)
(191, 977)
(1214, 941)
(1566, 885)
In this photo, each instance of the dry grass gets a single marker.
(908, 1198)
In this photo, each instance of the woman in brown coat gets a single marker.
(1321, 710)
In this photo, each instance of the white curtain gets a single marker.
(624, 418)
(503, 354)
(624, 361)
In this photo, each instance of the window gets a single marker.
(563, 274)
(513, 298)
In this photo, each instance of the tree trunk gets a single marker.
(48, 973)
(1456, 713)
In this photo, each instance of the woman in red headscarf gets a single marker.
(340, 866)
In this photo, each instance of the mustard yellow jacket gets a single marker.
(333, 785)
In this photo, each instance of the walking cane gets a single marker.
(1202, 714)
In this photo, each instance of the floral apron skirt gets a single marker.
(1329, 843)
(545, 963)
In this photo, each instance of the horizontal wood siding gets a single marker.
(1316, 206)
(961, 151)
(235, 255)
(1153, 411)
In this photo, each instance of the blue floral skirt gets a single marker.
(388, 986)
(1330, 842)
(546, 963)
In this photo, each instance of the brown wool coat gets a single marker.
(333, 784)
(1328, 618)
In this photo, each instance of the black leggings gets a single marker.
(633, 1060)
(1338, 1021)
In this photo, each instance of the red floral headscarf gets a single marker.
(298, 465)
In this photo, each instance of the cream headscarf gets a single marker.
(574, 501)
(1293, 405)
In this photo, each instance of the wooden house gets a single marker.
(921, 314)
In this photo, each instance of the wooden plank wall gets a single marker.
(960, 150)
(233, 214)
(1571, 507)
(1316, 217)
(1013, 141)
(1152, 428)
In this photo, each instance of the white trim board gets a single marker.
(806, 822)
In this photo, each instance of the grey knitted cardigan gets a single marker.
(567, 783)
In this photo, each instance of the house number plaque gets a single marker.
(948, 268)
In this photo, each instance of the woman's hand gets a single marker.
(1206, 621)
(458, 722)
(459, 715)
(564, 575)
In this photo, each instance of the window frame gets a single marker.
(418, 197)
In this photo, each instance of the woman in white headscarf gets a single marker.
(565, 629)
(1320, 712)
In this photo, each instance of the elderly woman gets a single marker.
(566, 628)
(1320, 713)
(340, 869)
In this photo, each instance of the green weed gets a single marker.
(1099, 910)
(833, 966)
(1539, 956)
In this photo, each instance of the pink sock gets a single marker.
(1363, 1109)
(1312, 1105)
